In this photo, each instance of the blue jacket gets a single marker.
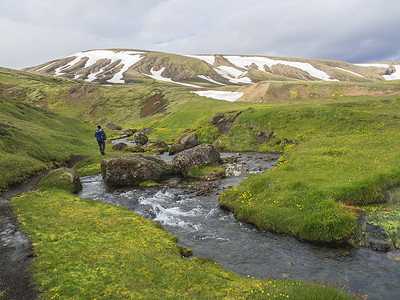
(98, 134)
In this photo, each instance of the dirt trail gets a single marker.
(16, 251)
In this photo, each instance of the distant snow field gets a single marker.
(127, 59)
(220, 95)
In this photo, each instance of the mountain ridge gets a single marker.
(121, 66)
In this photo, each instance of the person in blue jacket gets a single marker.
(101, 139)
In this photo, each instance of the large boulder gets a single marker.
(141, 139)
(131, 170)
(200, 155)
(189, 141)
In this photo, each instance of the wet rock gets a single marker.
(176, 148)
(131, 170)
(189, 141)
(159, 146)
(236, 170)
(141, 138)
(113, 126)
(200, 155)
(119, 146)
(379, 245)
(374, 237)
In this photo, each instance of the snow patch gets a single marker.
(157, 76)
(220, 95)
(127, 59)
(210, 59)
(209, 79)
(245, 62)
(350, 72)
(395, 75)
(373, 65)
(233, 75)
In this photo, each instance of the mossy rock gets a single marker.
(379, 226)
(63, 178)
(135, 149)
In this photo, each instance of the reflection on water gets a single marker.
(201, 225)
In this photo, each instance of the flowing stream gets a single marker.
(214, 233)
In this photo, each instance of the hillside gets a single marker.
(117, 66)
(32, 140)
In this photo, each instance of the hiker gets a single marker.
(101, 139)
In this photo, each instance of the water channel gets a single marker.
(214, 233)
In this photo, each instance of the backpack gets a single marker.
(103, 135)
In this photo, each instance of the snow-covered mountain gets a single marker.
(117, 66)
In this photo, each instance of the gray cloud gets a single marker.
(36, 31)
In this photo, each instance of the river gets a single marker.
(214, 233)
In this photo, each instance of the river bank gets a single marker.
(214, 233)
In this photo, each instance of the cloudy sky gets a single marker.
(36, 31)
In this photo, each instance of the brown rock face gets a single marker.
(131, 170)
(203, 154)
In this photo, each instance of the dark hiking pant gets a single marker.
(102, 146)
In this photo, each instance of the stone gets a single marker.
(203, 154)
(129, 132)
(159, 144)
(131, 170)
(113, 126)
(189, 141)
(119, 146)
(141, 138)
(176, 148)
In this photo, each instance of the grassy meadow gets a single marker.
(87, 249)
(339, 154)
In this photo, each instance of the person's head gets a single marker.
(98, 126)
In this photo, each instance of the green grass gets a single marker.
(204, 172)
(86, 249)
(345, 153)
(34, 139)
